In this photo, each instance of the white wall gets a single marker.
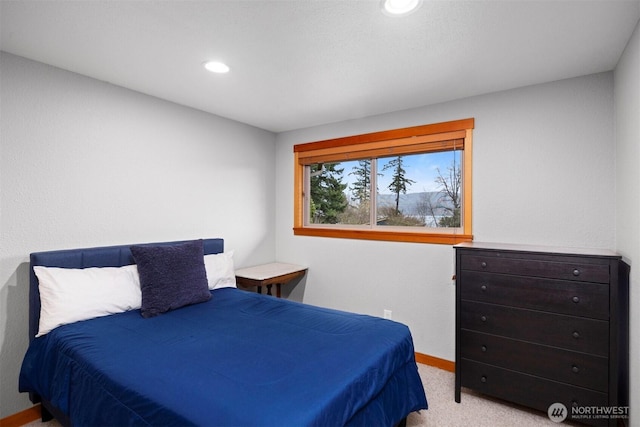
(543, 173)
(627, 105)
(86, 163)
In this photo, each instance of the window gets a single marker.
(411, 184)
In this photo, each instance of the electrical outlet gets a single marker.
(387, 314)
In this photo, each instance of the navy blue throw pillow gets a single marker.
(171, 276)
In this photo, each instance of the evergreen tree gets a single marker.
(327, 193)
(399, 182)
(361, 188)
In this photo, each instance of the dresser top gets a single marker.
(535, 248)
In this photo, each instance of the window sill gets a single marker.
(385, 235)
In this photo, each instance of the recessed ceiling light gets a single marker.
(216, 67)
(399, 7)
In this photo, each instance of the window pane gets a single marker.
(339, 193)
(419, 190)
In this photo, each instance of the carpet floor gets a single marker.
(473, 410)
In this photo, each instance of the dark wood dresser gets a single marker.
(541, 325)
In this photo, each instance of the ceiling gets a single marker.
(300, 63)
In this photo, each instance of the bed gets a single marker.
(236, 358)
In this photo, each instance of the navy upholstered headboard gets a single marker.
(107, 256)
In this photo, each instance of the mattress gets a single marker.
(238, 359)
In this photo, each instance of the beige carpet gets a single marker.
(474, 410)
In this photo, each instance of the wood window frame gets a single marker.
(411, 140)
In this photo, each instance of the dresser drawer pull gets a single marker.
(483, 348)
(483, 288)
(575, 369)
(575, 299)
(483, 318)
(575, 334)
(576, 272)
(483, 264)
(483, 379)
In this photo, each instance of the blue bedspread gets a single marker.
(239, 359)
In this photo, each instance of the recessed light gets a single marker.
(399, 7)
(216, 67)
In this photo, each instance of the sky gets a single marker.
(421, 168)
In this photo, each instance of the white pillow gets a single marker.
(69, 295)
(220, 270)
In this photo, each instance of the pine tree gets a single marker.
(399, 182)
(327, 193)
(361, 187)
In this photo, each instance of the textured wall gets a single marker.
(86, 163)
(627, 96)
(543, 173)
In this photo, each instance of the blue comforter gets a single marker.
(239, 359)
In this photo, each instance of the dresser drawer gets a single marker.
(496, 262)
(568, 332)
(535, 392)
(559, 296)
(561, 365)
